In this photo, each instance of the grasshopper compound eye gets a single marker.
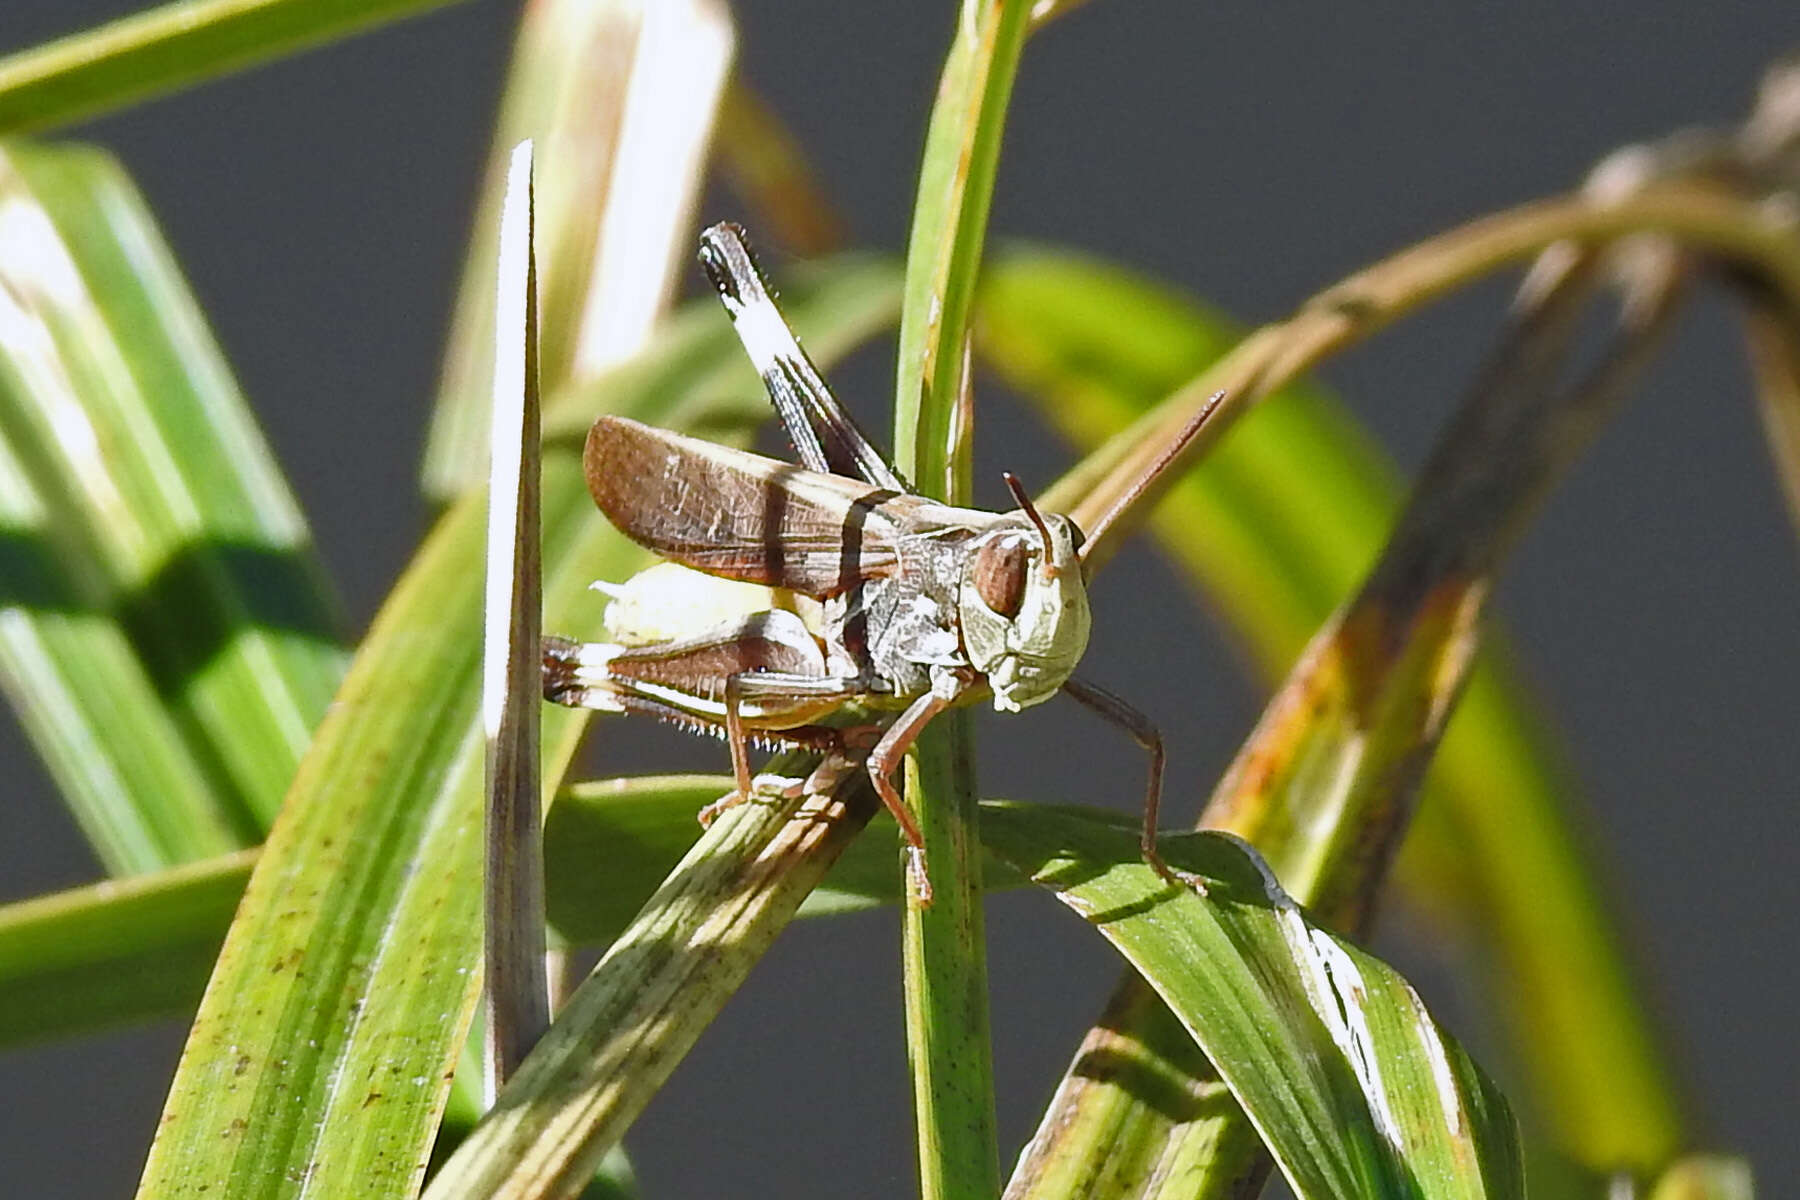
(999, 574)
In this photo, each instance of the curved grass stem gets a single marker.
(1701, 217)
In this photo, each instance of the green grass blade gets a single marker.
(620, 153)
(343, 993)
(169, 47)
(1348, 1080)
(114, 952)
(153, 477)
(944, 953)
(944, 966)
(141, 798)
(1292, 507)
(949, 229)
(346, 981)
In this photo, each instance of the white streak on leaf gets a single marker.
(1335, 988)
(33, 252)
(508, 414)
(1344, 1010)
(1443, 1076)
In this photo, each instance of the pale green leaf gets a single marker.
(620, 155)
(141, 480)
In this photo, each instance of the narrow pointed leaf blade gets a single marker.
(1345, 1076)
(513, 940)
(114, 952)
(943, 951)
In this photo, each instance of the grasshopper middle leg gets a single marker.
(884, 764)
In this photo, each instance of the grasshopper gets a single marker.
(868, 591)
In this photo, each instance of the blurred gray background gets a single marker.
(1249, 153)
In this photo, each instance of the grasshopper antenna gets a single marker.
(1145, 481)
(1018, 491)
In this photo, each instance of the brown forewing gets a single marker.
(742, 516)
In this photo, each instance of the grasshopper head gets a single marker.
(1023, 605)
